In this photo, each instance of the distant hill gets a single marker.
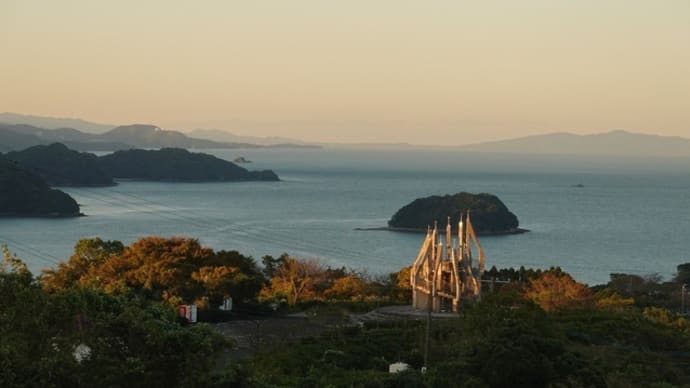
(61, 166)
(176, 164)
(223, 136)
(615, 143)
(53, 122)
(15, 137)
(489, 214)
(20, 136)
(151, 136)
(11, 139)
(25, 194)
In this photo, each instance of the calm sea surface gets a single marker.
(631, 216)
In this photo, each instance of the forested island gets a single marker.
(177, 164)
(61, 166)
(489, 214)
(26, 176)
(106, 317)
(25, 194)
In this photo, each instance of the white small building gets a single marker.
(398, 367)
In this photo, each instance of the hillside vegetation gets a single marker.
(543, 329)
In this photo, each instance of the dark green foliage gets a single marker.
(343, 357)
(683, 276)
(132, 342)
(60, 166)
(503, 341)
(176, 164)
(244, 286)
(489, 215)
(23, 193)
(649, 290)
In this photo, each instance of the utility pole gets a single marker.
(682, 299)
(428, 333)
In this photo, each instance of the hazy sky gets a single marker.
(426, 71)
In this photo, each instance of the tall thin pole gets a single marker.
(428, 333)
(682, 299)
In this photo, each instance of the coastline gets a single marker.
(42, 215)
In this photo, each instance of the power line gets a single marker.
(45, 257)
(173, 214)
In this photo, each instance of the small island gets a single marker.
(177, 165)
(25, 194)
(489, 215)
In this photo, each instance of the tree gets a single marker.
(125, 340)
(83, 266)
(554, 291)
(683, 274)
(294, 279)
(245, 280)
(11, 264)
(271, 264)
(398, 287)
(174, 270)
(610, 300)
(157, 268)
(348, 287)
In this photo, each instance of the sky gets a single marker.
(423, 72)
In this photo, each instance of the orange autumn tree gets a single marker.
(348, 287)
(555, 290)
(82, 268)
(294, 279)
(175, 270)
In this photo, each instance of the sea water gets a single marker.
(629, 215)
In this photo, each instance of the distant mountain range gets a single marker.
(614, 143)
(75, 132)
(150, 136)
(223, 136)
(21, 131)
(15, 137)
(20, 136)
(54, 123)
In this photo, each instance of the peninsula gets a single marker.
(25, 194)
